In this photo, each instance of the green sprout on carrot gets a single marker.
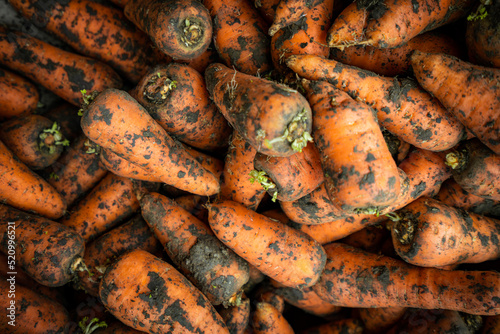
(91, 326)
(51, 138)
(294, 133)
(480, 13)
(265, 181)
(87, 99)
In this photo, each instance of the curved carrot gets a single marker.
(266, 319)
(477, 103)
(19, 96)
(137, 137)
(164, 300)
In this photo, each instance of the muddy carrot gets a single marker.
(343, 326)
(66, 116)
(19, 95)
(236, 317)
(491, 324)
(291, 11)
(399, 149)
(267, 9)
(266, 319)
(380, 319)
(124, 168)
(268, 295)
(195, 205)
(369, 239)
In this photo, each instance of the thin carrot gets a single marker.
(265, 293)
(403, 108)
(20, 96)
(137, 137)
(266, 319)
(476, 104)
(289, 12)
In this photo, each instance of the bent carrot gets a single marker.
(273, 118)
(164, 300)
(266, 319)
(403, 108)
(280, 252)
(137, 137)
(477, 103)
(20, 97)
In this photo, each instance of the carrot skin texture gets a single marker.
(237, 317)
(476, 105)
(175, 305)
(124, 168)
(289, 12)
(380, 319)
(403, 108)
(372, 280)
(291, 257)
(271, 117)
(491, 324)
(92, 29)
(266, 319)
(137, 137)
(218, 272)
(20, 96)
(47, 251)
(64, 73)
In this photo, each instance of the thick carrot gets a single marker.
(110, 202)
(273, 118)
(369, 239)
(64, 73)
(292, 177)
(354, 278)
(403, 108)
(378, 320)
(266, 319)
(360, 173)
(343, 326)
(475, 104)
(150, 295)
(124, 168)
(240, 36)
(48, 251)
(34, 139)
(25, 190)
(100, 253)
(19, 96)
(237, 317)
(181, 29)
(92, 29)
(280, 252)
(429, 233)
(137, 137)
(175, 95)
(389, 24)
(214, 269)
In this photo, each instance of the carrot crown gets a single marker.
(92, 326)
(50, 138)
(265, 182)
(159, 88)
(87, 99)
(294, 133)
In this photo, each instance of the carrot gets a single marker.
(433, 321)
(181, 29)
(124, 168)
(477, 103)
(236, 182)
(175, 95)
(64, 73)
(206, 160)
(395, 61)
(27, 311)
(255, 277)
(110, 202)
(360, 173)
(429, 233)
(240, 36)
(164, 300)
(266, 294)
(403, 108)
(236, 317)
(34, 139)
(369, 239)
(343, 326)
(399, 149)
(66, 116)
(354, 278)
(380, 319)
(476, 169)
(290, 177)
(137, 137)
(48, 251)
(266, 319)
(273, 118)
(280, 252)
(92, 29)
(100, 253)
(195, 205)
(291, 11)
(491, 324)
(267, 9)
(387, 24)
(20, 97)
(25, 190)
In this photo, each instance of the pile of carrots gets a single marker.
(238, 166)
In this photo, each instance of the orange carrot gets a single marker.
(399, 148)
(291, 11)
(195, 205)
(266, 319)
(124, 168)
(378, 320)
(343, 326)
(19, 96)
(369, 239)
(237, 317)
(475, 105)
(491, 324)
(267, 9)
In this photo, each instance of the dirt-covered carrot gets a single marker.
(92, 29)
(100, 253)
(266, 319)
(399, 148)
(240, 35)
(237, 317)
(273, 118)
(26, 311)
(164, 300)
(369, 238)
(64, 73)
(428, 233)
(476, 104)
(290, 11)
(19, 95)
(48, 251)
(34, 139)
(25, 190)
(403, 107)
(265, 293)
(380, 319)
(181, 29)
(396, 61)
(289, 178)
(280, 252)
(175, 95)
(360, 173)
(66, 116)
(110, 202)
(342, 326)
(137, 137)
(354, 278)
(491, 325)
(267, 9)
(195, 205)
(217, 271)
(122, 167)
(389, 24)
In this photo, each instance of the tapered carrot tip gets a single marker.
(274, 29)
